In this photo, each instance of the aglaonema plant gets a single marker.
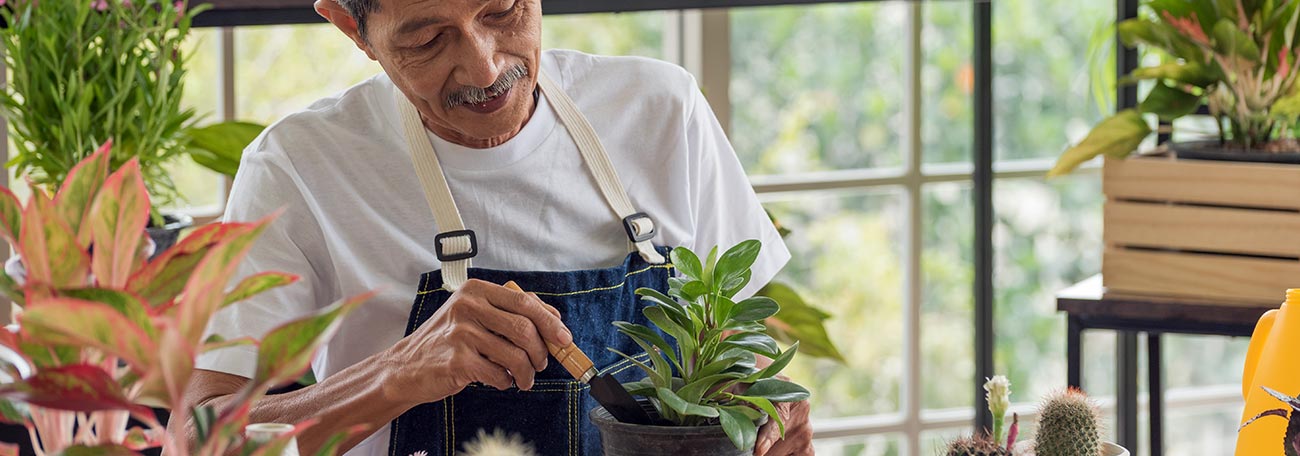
(709, 374)
(106, 333)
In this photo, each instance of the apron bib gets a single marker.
(552, 416)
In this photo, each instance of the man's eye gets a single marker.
(433, 42)
(505, 13)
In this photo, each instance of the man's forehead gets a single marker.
(413, 15)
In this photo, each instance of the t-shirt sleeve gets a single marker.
(264, 184)
(726, 210)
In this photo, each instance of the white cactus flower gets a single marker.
(999, 394)
(498, 443)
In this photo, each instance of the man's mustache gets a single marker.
(476, 95)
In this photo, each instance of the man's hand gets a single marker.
(798, 432)
(484, 333)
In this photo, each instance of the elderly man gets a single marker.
(474, 145)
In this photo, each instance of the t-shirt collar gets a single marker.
(527, 141)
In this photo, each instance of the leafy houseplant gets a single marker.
(87, 72)
(699, 378)
(1240, 58)
(105, 333)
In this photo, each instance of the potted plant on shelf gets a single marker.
(705, 384)
(1068, 425)
(87, 72)
(1176, 223)
(106, 333)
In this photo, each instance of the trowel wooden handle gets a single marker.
(573, 359)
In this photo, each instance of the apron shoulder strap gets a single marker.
(639, 226)
(454, 244)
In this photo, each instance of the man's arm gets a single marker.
(363, 394)
(484, 333)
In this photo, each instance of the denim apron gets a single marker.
(552, 416)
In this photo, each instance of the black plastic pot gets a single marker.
(623, 439)
(165, 236)
(1214, 150)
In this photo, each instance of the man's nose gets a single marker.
(478, 66)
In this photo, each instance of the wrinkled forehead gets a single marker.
(406, 16)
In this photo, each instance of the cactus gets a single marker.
(976, 446)
(1068, 426)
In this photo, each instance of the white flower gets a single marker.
(420, 453)
(498, 443)
(999, 394)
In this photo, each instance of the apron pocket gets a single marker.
(550, 417)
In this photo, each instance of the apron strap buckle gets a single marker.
(463, 243)
(639, 227)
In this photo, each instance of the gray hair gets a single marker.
(359, 9)
(475, 95)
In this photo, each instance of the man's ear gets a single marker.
(333, 12)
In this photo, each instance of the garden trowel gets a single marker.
(605, 389)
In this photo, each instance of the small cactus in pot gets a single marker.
(976, 446)
(1068, 425)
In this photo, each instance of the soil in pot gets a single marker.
(623, 439)
(166, 236)
(1275, 152)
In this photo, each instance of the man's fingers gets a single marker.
(507, 355)
(517, 330)
(516, 302)
(490, 373)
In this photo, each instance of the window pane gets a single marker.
(876, 445)
(847, 261)
(607, 34)
(947, 360)
(1202, 430)
(947, 81)
(817, 87)
(283, 69)
(1048, 236)
(1041, 59)
(202, 190)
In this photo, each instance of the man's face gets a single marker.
(468, 65)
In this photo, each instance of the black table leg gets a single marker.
(1156, 393)
(1073, 353)
(1126, 422)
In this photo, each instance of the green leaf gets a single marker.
(766, 406)
(778, 363)
(287, 350)
(647, 337)
(1191, 73)
(74, 198)
(658, 380)
(103, 449)
(1117, 136)
(754, 309)
(1230, 40)
(163, 279)
(220, 146)
(660, 316)
(127, 304)
(643, 387)
(735, 262)
(695, 390)
(777, 390)
(11, 413)
(67, 321)
(738, 426)
(686, 262)
(77, 388)
(49, 248)
(11, 216)
(727, 360)
(759, 343)
(799, 322)
(258, 283)
(1169, 103)
(118, 219)
(685, 408)
(693, 289)
(709, 265)
(205, 419)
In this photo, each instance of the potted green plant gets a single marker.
(106, 333)
(87, 72)
(1238, 58)
(704, 385)
(1182, 209)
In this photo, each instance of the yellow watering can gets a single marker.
(1271, 381)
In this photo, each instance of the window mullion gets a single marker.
(912, 376)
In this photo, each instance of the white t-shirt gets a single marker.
(356, 218)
